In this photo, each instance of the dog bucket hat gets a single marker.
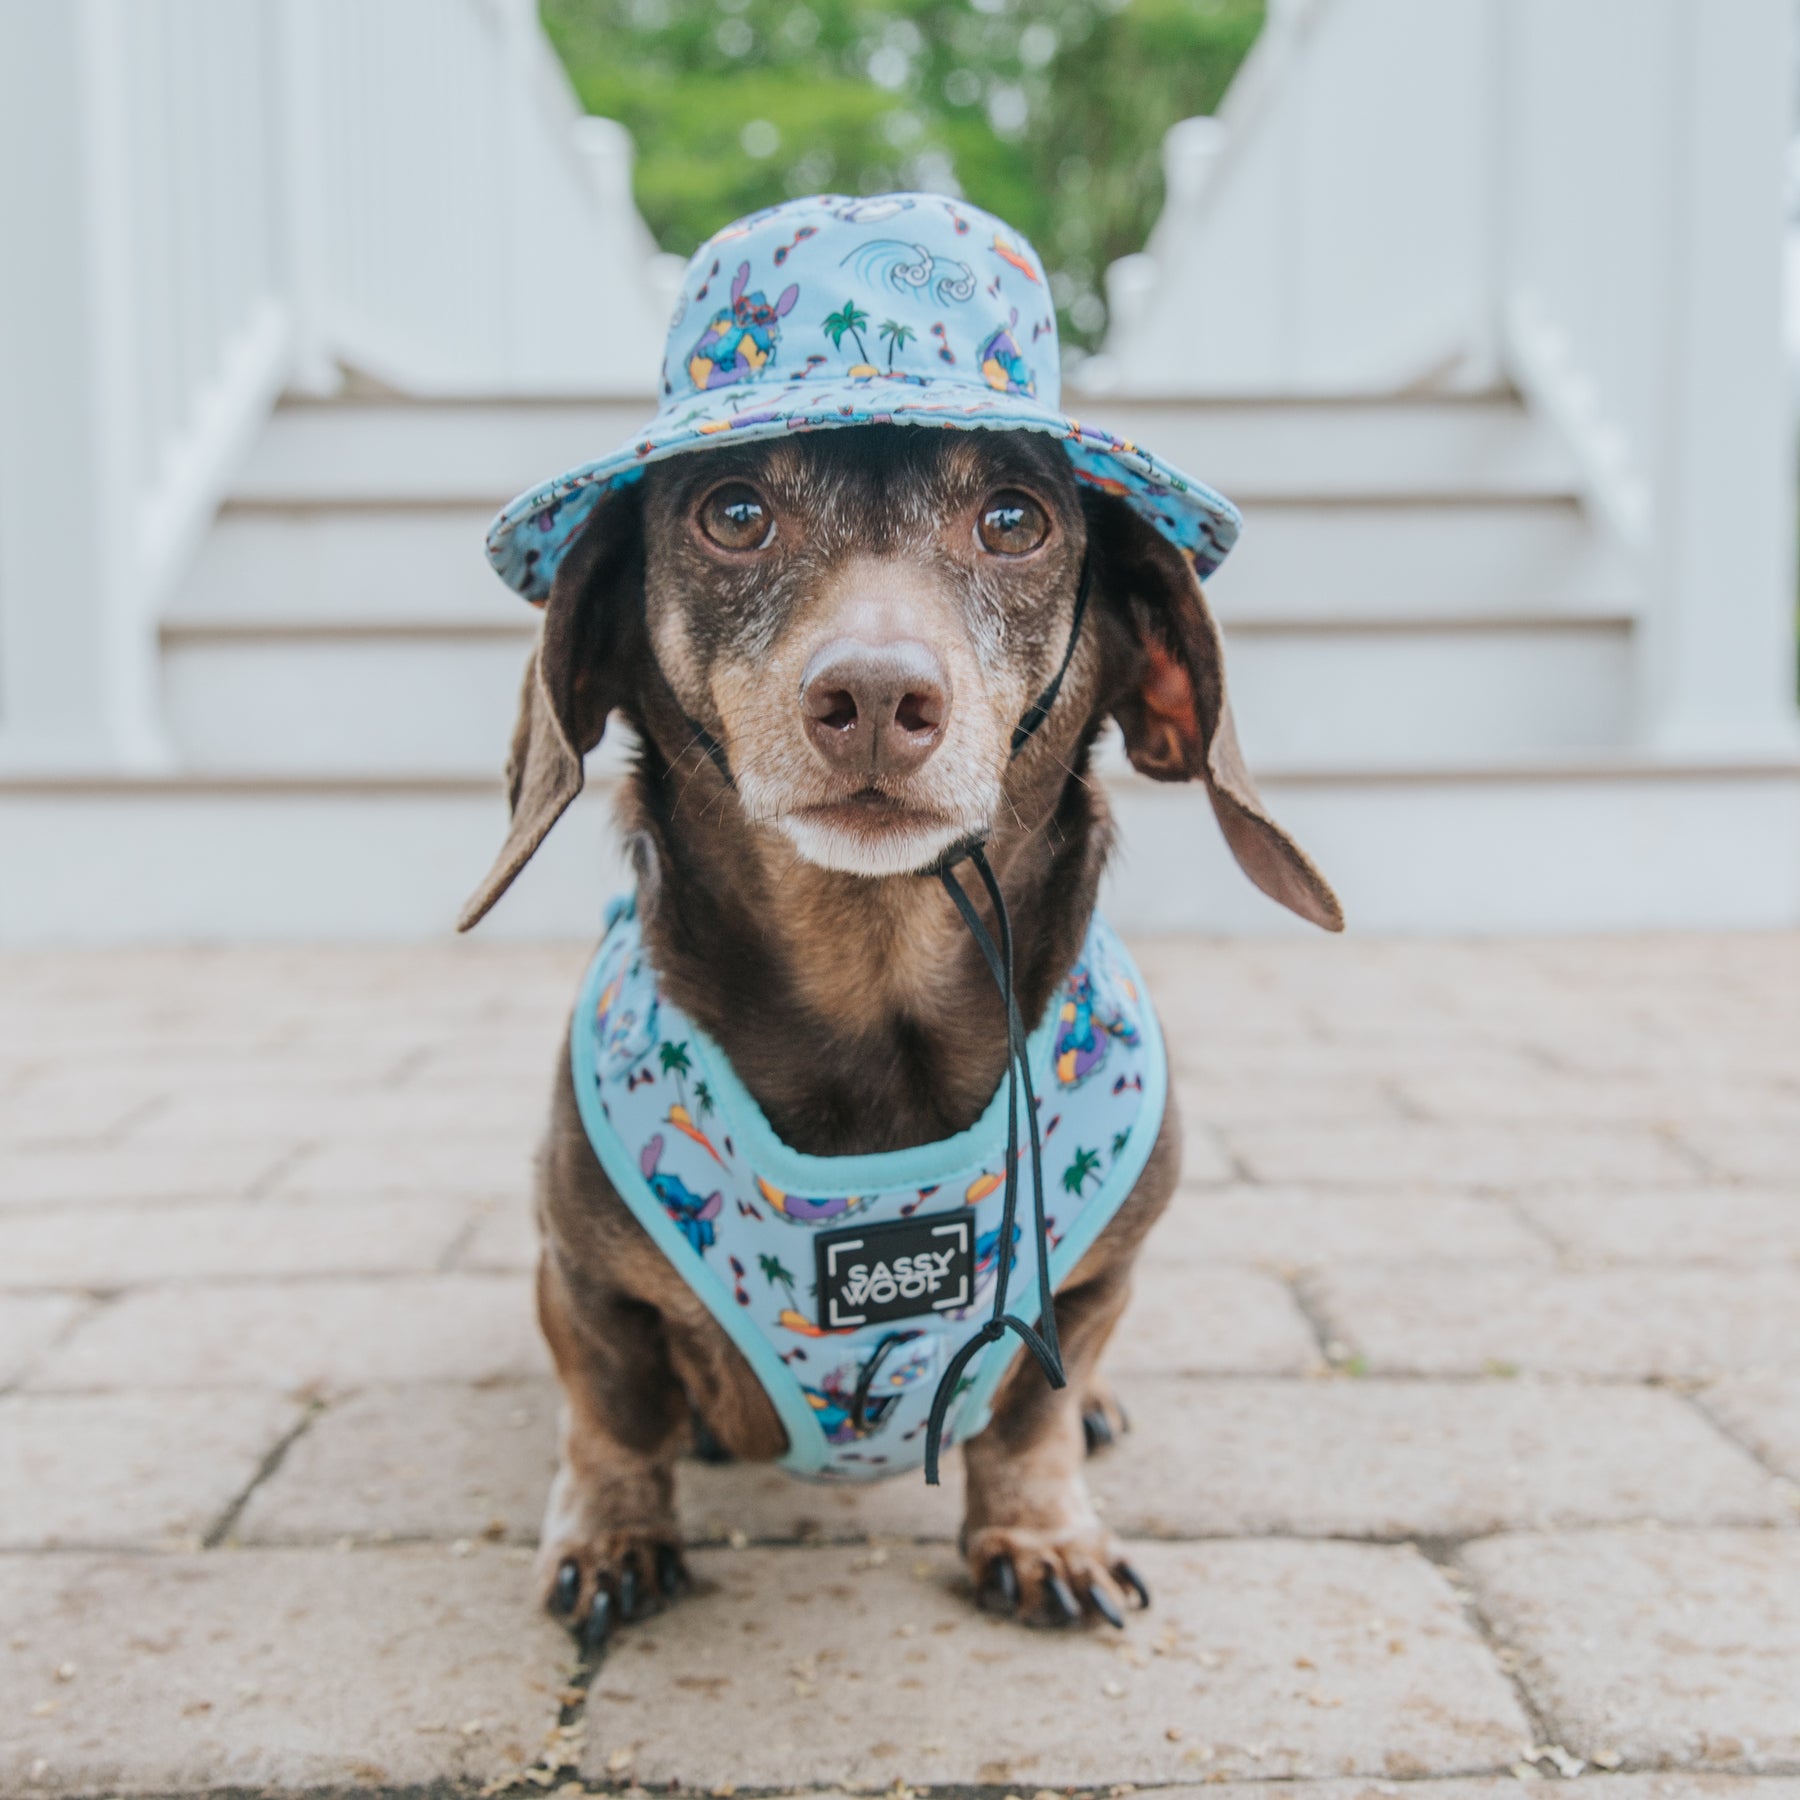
(903, 309)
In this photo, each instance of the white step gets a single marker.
(366, 451)
(1296, 560)
(416, 698)
(1597, 845)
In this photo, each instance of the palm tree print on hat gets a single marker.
(898, 337)
(850, 319)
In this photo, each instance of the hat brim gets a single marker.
(529, 538)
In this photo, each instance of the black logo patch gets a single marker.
(872, 1273)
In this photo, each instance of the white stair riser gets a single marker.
(433, 451)
(1678, 851)
(1526, 559)
(445, 705)
(1448, 560)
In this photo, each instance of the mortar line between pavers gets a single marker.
(222, 1527)
(283, 1166)
(1447, 1554)
(1318, 1321)
(1694, 1397)
(461, 1240)
(1676, 1138)
(97, 1302)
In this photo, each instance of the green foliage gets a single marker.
(1051, 116)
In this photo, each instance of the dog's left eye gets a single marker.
(1011, 524)
(736, 517)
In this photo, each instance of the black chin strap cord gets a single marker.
(1042, 1343)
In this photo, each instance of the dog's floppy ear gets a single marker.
(1176, 714)
(577, 674)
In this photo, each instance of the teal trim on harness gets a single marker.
(1102, 1074)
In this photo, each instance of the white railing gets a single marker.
(1580, 199)
(204, 201)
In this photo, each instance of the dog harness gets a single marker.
(853, 1284)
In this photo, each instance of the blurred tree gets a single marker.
(1051, 116)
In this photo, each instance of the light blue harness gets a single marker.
(788, 1251)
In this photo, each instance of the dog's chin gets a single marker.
(857, 840)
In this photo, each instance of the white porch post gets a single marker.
(56, 575)
(1719, 663)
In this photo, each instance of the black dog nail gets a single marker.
(1000, 1588)
(668, 1570)
(1106, 1606)
(1130, 1578)
(1097, 1429)
(567, 1588)
(628, 1592)
(599, 1624)
(1063, 1610)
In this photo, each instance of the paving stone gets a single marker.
(1674, 1784)
(1455, 1155)
(1281, 1096)
(1186, 1320)
(331, 1113)
(441, 1461)
(484, 1165)
(81, 1174)
(115, 1471)
(831, 1665)
(29, 1324)
(1750, 1152)
(1681, 1225)
(114, 1246)
(1641, 1322)
(1763, 1411)
(505, 1236)
(1298, 1227)
(305, 1336)
(1384, 1459)
(1544, 1096)
(1663, 1647)
(279, 1668)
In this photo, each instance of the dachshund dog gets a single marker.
(855, 620)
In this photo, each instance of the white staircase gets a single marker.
(1428, 637)
(1510, 625)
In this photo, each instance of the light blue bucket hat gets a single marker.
(903, 309)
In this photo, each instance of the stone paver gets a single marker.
(441, 1462)
(66, 1175)
(1763, 1411)
(281, 1668)
(1664, 1646)
(304, 1336)
(1271, 1659)
(117, 1246)
(1676, 1225)
(1619, 1322)
(131, 1470)
(1483, 1156)
(1301, 1227)
(1199, 1321)
(1490, 1248)
(476, 1165)
(30, 1324)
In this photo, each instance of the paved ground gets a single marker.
(1467, 1381)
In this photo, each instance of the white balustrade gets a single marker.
(1582, 199)
(204, 201)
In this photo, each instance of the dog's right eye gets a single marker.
(737, 517)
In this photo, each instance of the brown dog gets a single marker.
(858, 618)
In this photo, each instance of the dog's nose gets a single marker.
(877, 708)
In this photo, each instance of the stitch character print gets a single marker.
(739, 340)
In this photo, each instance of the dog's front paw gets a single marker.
(607, 1580)
(1054, 1579)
